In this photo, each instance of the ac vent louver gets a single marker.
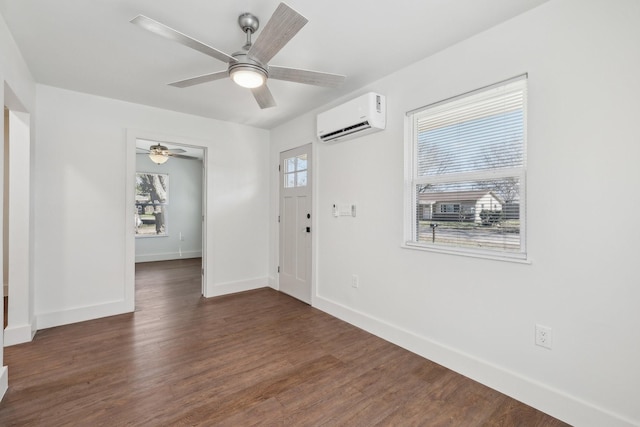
(346, 131)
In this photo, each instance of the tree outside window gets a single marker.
(152, 196)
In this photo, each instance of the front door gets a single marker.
(295, 223)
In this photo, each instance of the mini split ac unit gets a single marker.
(360, 116)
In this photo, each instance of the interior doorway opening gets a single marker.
(170, 200)
(18, 322)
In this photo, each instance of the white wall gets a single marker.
(477, 316)
(17, 91)
(83, 268)
(184, 211)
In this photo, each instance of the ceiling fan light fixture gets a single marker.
(248, 76)
(158, 158)
(158, 154)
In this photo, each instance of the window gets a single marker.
(466, 172)
(152, 197)
(449, 207)
(295, 171)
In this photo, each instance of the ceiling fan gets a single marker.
(160, 154)
(249, 67)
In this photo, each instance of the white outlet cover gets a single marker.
(544, 336)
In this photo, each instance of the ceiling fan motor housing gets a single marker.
(243, 61)
(159, 149)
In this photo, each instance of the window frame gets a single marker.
(412, 180)
(162, 204)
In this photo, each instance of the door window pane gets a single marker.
(301, 180)
(290, 164)
(290, 180)
(295, 171)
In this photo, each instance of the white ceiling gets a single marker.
(90, 46)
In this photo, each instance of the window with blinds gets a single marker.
(468, 163)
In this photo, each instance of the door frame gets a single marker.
(17, 221)
(130, 249)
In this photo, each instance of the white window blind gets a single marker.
(468, 161)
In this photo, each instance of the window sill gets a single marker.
(516, 258)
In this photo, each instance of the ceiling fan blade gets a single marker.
(182, 156)
(283, 25)
(171, 34)
(262, 94)
(201, 79)
(142, 150)
(177, 151)
(297, 75)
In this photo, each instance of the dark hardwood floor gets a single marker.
(254, 358)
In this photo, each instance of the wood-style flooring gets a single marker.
(254, 358)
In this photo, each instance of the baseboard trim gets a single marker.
(554, 402)
(18, 334)
(4, 381)
(81, 314)
(273, 283)
(237, 286)
(168, 256)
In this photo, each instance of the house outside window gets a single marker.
(466, 173)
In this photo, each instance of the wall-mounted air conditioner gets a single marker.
(360, 116)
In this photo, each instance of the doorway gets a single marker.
(166, 201)
(295, 222)
(19, 325)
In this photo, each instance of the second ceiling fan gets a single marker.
(250, 67)
(159, 154)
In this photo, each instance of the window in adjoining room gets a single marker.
(466, 172)
(152, 202)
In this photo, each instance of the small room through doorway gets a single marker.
(169, 203)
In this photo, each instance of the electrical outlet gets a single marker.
(355, 281)
(544, 337)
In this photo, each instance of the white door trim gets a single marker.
(129, 234)
(21, 325)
